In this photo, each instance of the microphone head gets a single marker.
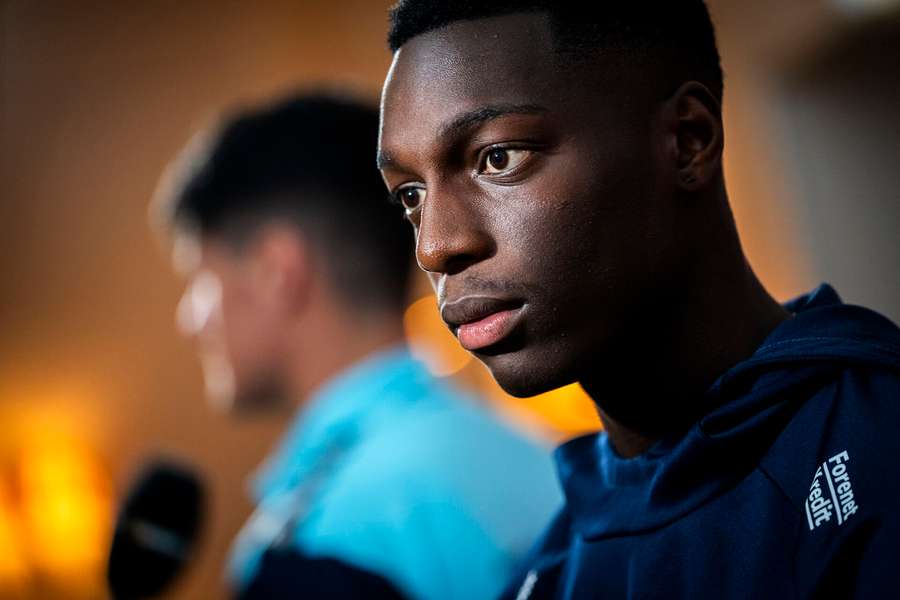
(155, 531)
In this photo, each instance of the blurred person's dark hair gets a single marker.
(307, 160)
(677, 38)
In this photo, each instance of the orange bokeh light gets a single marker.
(66, 509)
(56, 499)
(14, 570)
(430, 341)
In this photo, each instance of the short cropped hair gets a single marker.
(677, 34)
(308, 161)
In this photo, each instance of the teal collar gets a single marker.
(346, 407)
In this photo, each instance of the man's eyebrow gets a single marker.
(469, 119)
(478, 116)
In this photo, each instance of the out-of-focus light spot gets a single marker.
(57, 518)
(14, 571)
(568, 409)
(558, 414)
(431, 341)
(66, 509)
(48, 410)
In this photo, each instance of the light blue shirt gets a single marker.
(395, 472)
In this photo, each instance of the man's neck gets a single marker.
(330, 346)
(657, 388)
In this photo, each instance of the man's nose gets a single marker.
(451, 233)
(198, 304)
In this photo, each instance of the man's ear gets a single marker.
(283, 269)
(697, 134)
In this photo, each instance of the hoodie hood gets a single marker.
(610, 496)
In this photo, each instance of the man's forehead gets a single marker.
(468, 64)
(513, 41)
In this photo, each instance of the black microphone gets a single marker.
(156, 530)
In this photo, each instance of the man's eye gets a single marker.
(499, 160)
(410, 197)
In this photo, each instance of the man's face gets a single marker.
(532, 187)
(236, 333)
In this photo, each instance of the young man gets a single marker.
(389, 483)
(561, 165)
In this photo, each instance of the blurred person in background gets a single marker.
(389, 483)
(561, 165)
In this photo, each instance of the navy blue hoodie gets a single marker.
(788, 488)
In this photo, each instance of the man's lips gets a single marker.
(480, 321)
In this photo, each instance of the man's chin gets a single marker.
(522, 378)
(264, 398)
(228, 394)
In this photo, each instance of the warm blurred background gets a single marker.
(97, 97)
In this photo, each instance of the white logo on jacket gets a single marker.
(831, 493)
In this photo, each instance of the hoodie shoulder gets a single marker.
(838, 463)
(848, 360)
(824, 334)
